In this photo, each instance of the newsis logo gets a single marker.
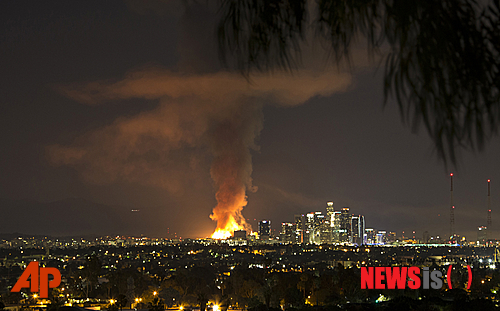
(401, 277)
(39, 281)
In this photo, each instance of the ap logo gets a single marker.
(39, 279)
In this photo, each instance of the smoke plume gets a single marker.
(216, 116)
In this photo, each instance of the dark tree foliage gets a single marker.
(112, 307)
(441, 56)
(122, 301)
(156, 305)
(90, 273)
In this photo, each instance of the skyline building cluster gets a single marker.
(342, 227)
(334, 227)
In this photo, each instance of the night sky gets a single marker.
(87, 76)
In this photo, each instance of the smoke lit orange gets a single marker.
(231, 170)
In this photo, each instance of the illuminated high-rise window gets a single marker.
(264, 229)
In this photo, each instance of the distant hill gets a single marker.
(69, 217)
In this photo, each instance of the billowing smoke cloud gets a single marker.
(216, 114)
(232, 166)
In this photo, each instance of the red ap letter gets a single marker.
(44, 280)
(31, 270)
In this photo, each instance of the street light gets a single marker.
(155, 293)
(112, 301)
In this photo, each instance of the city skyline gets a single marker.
(332, 212)
(323, 136)
(440, 231)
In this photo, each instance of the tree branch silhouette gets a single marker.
(442, 67)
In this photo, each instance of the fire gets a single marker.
(228, 220)
(228, 230)
(231, 171)
(221, 234)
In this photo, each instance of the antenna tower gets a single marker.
(452, 209)
(488, 223)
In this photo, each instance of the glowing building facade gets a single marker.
(287, 233)
(264, 229)
(357, 229)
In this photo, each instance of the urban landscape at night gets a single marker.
(98, 272)
(313, 262)
(249, 155)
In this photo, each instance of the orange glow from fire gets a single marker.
(222, 234)
(227, 213)
(226, 219)
(227, 231)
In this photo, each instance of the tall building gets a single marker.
(287, 234)
(362, 226)
(300, 221)
(264, 229)
(329, 209)
(345, 225)
(354, 229)
(381, 237)
(370, 236)
(313, 223)
(325, 234)
(335, 225)
(322, 232)
(328, 230)
(319, 218)
(309, 232)
(357, 229)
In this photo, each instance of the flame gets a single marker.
(229, 218)
(221, 234)
(227, 231)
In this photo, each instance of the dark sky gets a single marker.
(341, 145)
